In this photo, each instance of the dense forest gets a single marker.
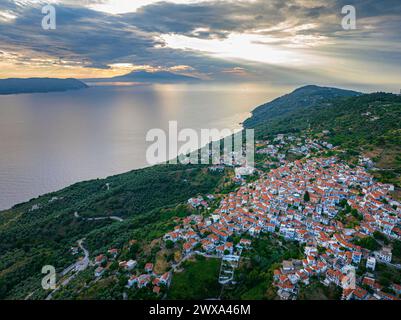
(42, 230)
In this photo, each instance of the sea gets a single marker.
(51, 140)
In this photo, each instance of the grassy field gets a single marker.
(199, 280)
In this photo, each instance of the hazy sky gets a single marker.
(272, 41)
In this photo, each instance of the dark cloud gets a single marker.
(81, 35)
(96, 39)
(219, 17)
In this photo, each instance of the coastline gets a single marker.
(48, 91)
(102, 177)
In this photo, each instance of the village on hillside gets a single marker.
(322, 203)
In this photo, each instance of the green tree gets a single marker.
(169, 244)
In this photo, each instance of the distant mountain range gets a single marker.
(35, 85)
(148, 77)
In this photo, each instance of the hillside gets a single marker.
(147, 201)
(36, 85)
(148, 77)
(284, 106)
(42, 230)
(361, 124)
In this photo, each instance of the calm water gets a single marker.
(49, 141)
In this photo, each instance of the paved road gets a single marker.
(84, 263)
(78, 266)
(76, 214)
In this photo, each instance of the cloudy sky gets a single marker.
(269, 41)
